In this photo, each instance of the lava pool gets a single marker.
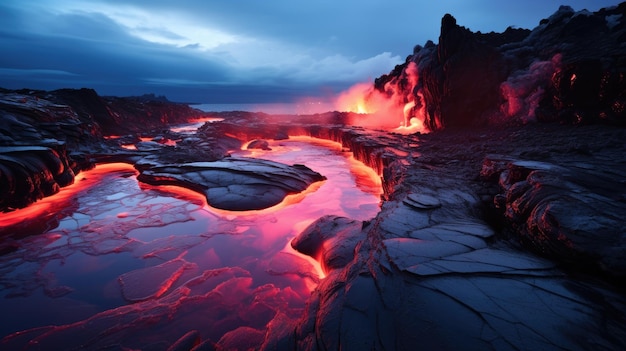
(111, 262)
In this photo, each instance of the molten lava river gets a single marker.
(110, 261)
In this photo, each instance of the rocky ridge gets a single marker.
(570, 68)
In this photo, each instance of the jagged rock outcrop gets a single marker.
(47, 137)
(30, 173)
(331, 240)
(468, 73)
(570, 68)
(431, 270)
(573, 212)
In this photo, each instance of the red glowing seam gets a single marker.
(45, 207)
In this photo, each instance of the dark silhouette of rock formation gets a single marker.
(570, 68)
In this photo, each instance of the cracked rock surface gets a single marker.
(429, 272)
(236, 184)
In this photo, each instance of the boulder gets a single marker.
(331, 240)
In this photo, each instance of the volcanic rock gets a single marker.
(529, 256)
(442, 276)
(331, 240)
(186, 342)
(237, 184)
(151, 282)
(422, 202)
(47, 137)
(259, 144)
(569, 68)
(574, 212)
(29, 173)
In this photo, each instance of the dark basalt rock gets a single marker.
(422, 202)
(29, 173)
(573, 212)
(259, 144)
(236, 184)
(47, 137)
(387, 154)
(430, 255)
(472, 73)
(471, 78)
(435, 268)
(331, 240)
(585, 92)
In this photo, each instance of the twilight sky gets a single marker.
(233, 51)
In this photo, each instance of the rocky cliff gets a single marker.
(570, 68)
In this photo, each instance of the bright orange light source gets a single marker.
(393, 109)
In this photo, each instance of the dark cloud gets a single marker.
(90, 50)
(227, 51)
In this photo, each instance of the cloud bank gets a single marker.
(224, 51)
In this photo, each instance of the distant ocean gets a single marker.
(295, 108)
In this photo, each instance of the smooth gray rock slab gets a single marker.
(236, 184)
(486, 261)
(422, 202)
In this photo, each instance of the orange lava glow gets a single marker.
(395, 109)
(47, 207)
(171, 279)
(365, 176)
(195, 196)
(180, 192)
(194, 124)
(362, 172)
(206, 119)
(158, 263)
(129, 147)
(314, 262)
(366, 179)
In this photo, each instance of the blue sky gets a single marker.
(232, 51)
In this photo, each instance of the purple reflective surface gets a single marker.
(115, 243)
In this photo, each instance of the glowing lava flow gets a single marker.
(154, 261)
(46, 209)
(365, 178)
(399, 108)
(194, 124)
